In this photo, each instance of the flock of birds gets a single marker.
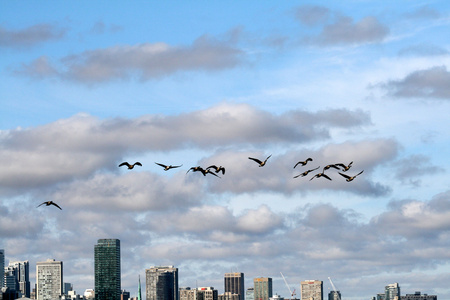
(215, 170)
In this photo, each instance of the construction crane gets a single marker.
(292, 293)
(334, 289)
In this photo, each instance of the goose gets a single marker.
(345, 168)
(196, 169)
(130, 166)
(261, 163)
(217, 169)
(48, 203)
(320, 175)
(306, 172)
(331, 166)
(303, 162)
(203, 171)
(166, 168)
(350, 178)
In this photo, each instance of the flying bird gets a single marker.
(306, 172)
(48, 203)
(331, 166)
(130, 166)
(320, 175)
(217, 169)
(196, 169)
(345, 168)
(303, 162)
(166, 168)
(261, 163)
(203, 171)
(350, 178)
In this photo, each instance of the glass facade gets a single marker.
(262, 288)
(107, 269)
(234, 284)
(161, 283)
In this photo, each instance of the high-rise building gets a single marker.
(234, 284)
(107, 269)
(311, 290)
(49, 280)
(418, 296)
(263, 288)
(392, 291)
(18, 276)
(161, 283)
(2, 267)
(334, 295)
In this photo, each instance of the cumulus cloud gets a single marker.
(144, 61)
(338, 29)
(346, 31)
(408, 170)
(432, 83)
(30, 36)
(81, 145)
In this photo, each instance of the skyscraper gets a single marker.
(107, 269)
(49, 279)
(262, 288)
(2, 267)
(21, 272)
(311, 290)
(234, 284)
(161, 283)
(391, 291)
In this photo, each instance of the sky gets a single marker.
(87, 85)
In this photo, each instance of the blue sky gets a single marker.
(88, 85)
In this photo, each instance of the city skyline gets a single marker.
(233, 282)
(329, 120)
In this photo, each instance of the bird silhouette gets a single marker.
(166, 168)
(320, 175)
(48, 203)
(196, 169)
(261, 163)
(130, 166)
(303, 162)
(350, 178)
(306, 172)
(331, 166)
(203, 171)
(217, 169)
(344, 167)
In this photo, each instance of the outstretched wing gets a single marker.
(255, 159)
(345, 175)
(53, 203)
(208, 172)
(326, 176)
(124, 164)
(221, 169)
(41, 204)
(267, 158)
(138, 164)
(173, 167)
(164, 166)
(359, 173)
(212, 167)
